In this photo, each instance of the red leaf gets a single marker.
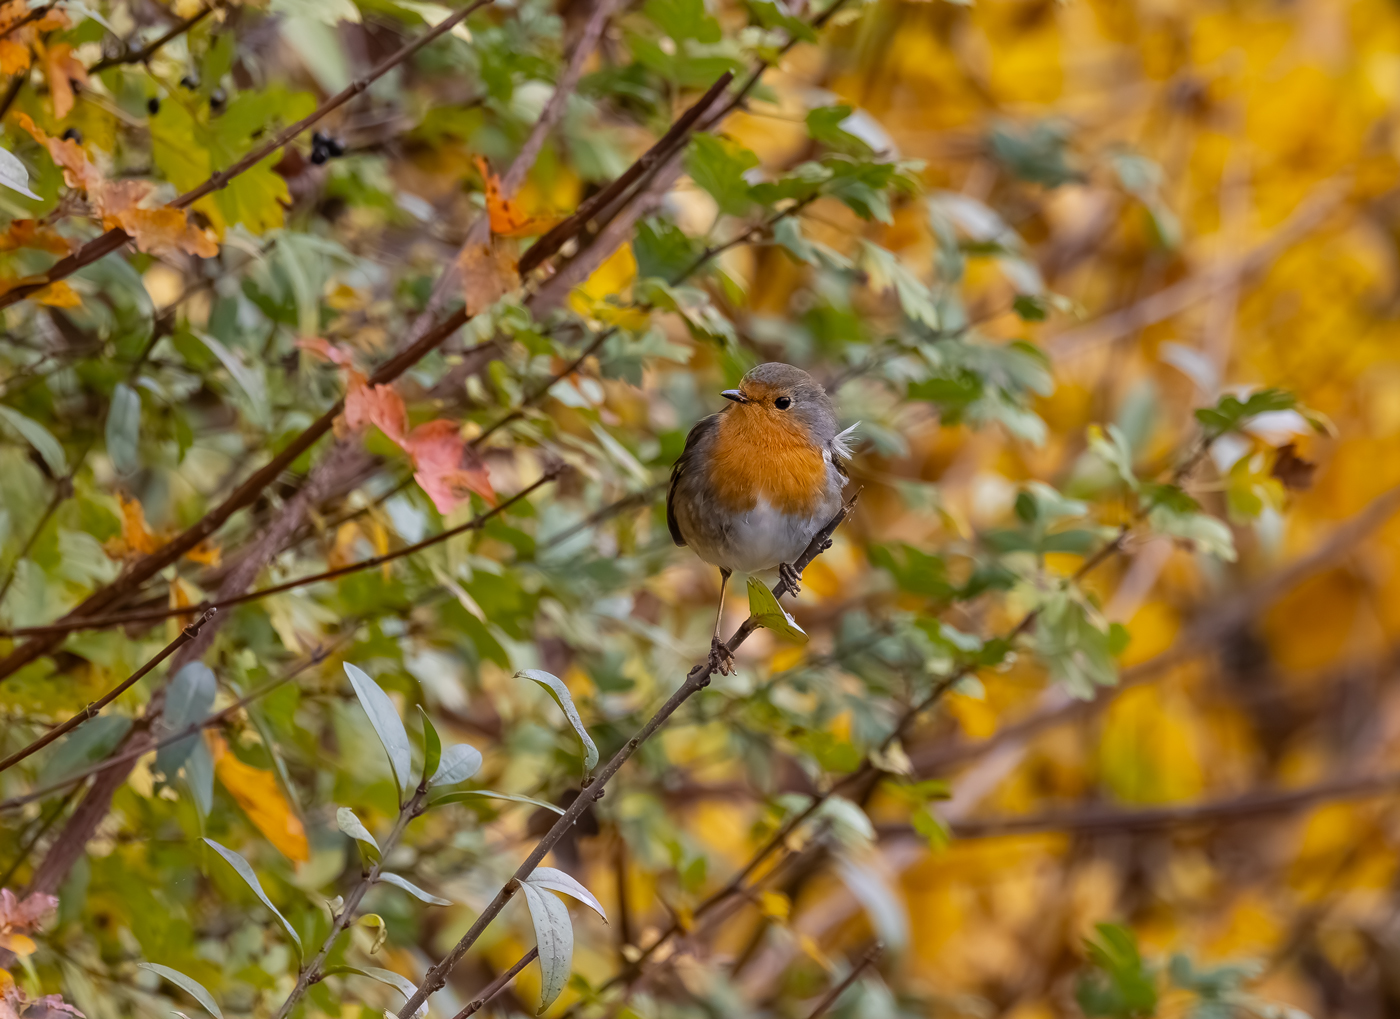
(447, 469)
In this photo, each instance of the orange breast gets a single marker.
(763, 454)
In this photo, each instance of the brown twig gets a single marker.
(34, 15)
(113, 239)
(496, 986)
(868, 959)
(697, 679)
(152, 48)
(186, 635)
(155, 615)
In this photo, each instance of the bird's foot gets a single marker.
(791, 578)
(721, 658)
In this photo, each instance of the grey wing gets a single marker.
(702, 430)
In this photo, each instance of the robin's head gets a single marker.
(786, 397)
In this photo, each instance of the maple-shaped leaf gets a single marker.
(446, 468)
(30, 233)
(380, 406)
(507, 217)
(488, 274)
(62, 68)
(78, 171)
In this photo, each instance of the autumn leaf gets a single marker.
(30, 233)
(206, 553)
(258, 794)
(320, 347)
(488, 273)
(78, 172)
(63, 69)
(14, 57)
(58, 295)
(380, 406)
(507, 218)
(17, 916)
(446, 468)
(136, 536)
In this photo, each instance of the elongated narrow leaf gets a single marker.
(564, 884)
(554, 933)
(123, 429)
(14, 174)
(459, 763)
(347, 822)
(39, 437)
(770, 614)
(402, 984)
(251, 880)
(199, 774)
(565, 700)
(432, 745)
(412, 889)
(196, 990)
(387, 724)
(487, 794)
(188, 698)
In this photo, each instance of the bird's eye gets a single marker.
(782, 403)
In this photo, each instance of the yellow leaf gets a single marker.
(508, 219)
(775, 906)
(488, 274)
(257, 793)
(58, 295)
(19, 944)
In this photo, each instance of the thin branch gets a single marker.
(34, 15)
(496, 986)
(155, 615)
(151, 49)
(186, 635)
(868, 959)
(12, 93)
(217, 718)
(697, 679)
(113, 239)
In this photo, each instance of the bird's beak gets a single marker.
(735, 395)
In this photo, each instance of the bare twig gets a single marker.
(496, 986)
(154, 615)
(127, 56)
(113, 239)
(868, 959)
(186, 635)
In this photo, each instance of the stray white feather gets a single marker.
(841, 445)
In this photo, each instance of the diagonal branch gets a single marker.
(113, 239)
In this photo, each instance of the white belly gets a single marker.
(759, 540)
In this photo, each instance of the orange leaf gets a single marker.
(14, 57)
(325, 350)
(447, 469)
(258, 794)
(507, 218)
(160, 231)
(30, 233)
(62, 69)
(206, 553)
(58, 295)
(380, 406)
(77, 171)
(135, 534)
(488, 273)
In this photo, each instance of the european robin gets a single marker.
(758, 480)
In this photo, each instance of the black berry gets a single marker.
(190, 82)
(319, 138)
(153, 105)
(73, 135)
(335, 147)
(318, 155)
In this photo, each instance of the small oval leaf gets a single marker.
(432, 745)
(251, 880)
(40, 438)
(565, 700)
(459, 763)
(412, 889)
(193, 987)
(123, 429)
(554, 933)
(565, 884)
(387, 724)
(351, 825)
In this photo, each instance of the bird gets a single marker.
(757, 481)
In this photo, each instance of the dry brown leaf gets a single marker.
(62, 69)
(488, 273)
(14, 57)
(260, 797)
(30, 233)
(508, 219)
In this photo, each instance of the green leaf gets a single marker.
(554, 934)
(39, 437)
(824, 125)
(123, 429)
(1036, 154)
(387, 724)
(769, 614)
(718, 166)
(251, 382)
(684, 19)
(556, 688)
(412, 889)
(84, 746)
(459, 763)
(251, 880)
(788, 233)
(15, 175)
(1232, 413)
(193, 987)
(1122, 985)
(1209, 534)
(887, 272)
(402, 984)
(432, 745)
(351, 825)
(467, 794)
(773, 14)
(565, 884)
(1112, 447)
(188, 698)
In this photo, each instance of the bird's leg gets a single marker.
(791, 578)
(721, 658)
